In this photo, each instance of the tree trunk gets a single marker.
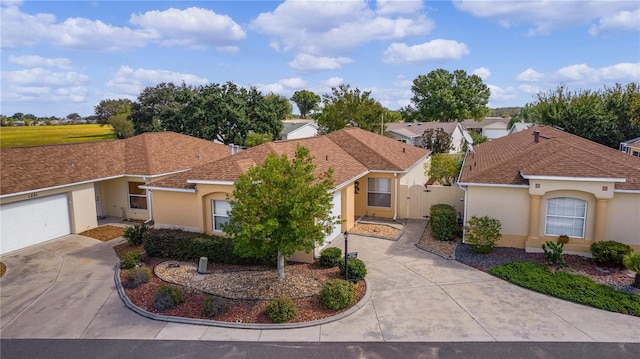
(280, 266)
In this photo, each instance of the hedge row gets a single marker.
(183, 245)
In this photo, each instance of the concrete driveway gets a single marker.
(65, 289)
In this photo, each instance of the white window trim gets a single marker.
(129, 195)
(378, 192)
(584, 219)
(214, 215)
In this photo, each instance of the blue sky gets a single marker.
(61, 57)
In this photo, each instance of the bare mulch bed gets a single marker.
(381, 230)
(104, 233)
(300, 278)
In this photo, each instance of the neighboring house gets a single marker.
(543, 182)
(50, 191)
(412, 132)
(374, 176)
(520, 126)
(631, 147)
(296, 130)
(490, 127)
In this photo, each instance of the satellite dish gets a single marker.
(467, 137)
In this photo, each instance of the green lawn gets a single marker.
(48, 135)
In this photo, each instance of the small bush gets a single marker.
(553, 252)
(167, 297)
(609, 253)
(331, 257)
(129, 260)
(482, 233)
(138, 276)
(212, 306)
(337, 294)
(135, 234)
(443, 222)
(632, 262)
(357, 269)
(280, 310)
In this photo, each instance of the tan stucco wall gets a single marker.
(176, 210)
(509, 205)
(115, 199)
(83, 208)
(361, 208)
(623, 220)
(540, 187)
(348, 207)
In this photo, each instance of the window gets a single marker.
(220, 214)
(379, 192)
(565, 216)
(137, 196)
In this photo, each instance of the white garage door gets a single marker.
(335, 212)
(33, 221)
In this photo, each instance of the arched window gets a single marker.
(565, 215)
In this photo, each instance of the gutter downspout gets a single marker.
(149, 205)
(395, 208)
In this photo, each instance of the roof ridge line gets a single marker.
(367, 146)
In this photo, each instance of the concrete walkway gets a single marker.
(65, 289)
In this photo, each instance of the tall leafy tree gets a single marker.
(280, 207)
(350, 107)
(109, 107)
(437, 140)
(607, 116)
(306, 101)
(443, 96)
(444, 168)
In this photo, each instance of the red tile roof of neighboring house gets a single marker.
(556, 154)
(350, 152)
(32, 168)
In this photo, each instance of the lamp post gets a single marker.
(346, 268)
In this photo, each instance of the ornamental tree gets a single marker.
(281, 207)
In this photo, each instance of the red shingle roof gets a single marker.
(350, 152)
(556, 154)
(31, 168)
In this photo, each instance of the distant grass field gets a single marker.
(49, 135)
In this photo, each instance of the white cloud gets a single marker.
(623, 71)
(434, 50)
(282, 87)
(545, 16)
(228, 49)
(192, 27)
(530, 75)
(38, 61)
(293, 82)
(130, 82)
(333, 81)
(334, 27)
(309, 63)
(624, 20)
(483, 72)
(386, 7)
(578, 72)
(39, 76)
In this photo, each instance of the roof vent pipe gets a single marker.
(536, 136)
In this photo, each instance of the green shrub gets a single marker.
(357, 269)
(129, 260)
(632, 262)
(553, 252)
(482, 233)
(609, 253)
(183, 245)
(337, 294)
(135, 234)
(443, 222)
(212, 306)
(331, 257)
(280, 310)
(567, 286)
(167, 297)
(137, 276)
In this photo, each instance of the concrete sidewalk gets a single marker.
(65, 289)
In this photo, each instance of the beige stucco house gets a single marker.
(50, 191)
(373, 175)
(543, 182)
